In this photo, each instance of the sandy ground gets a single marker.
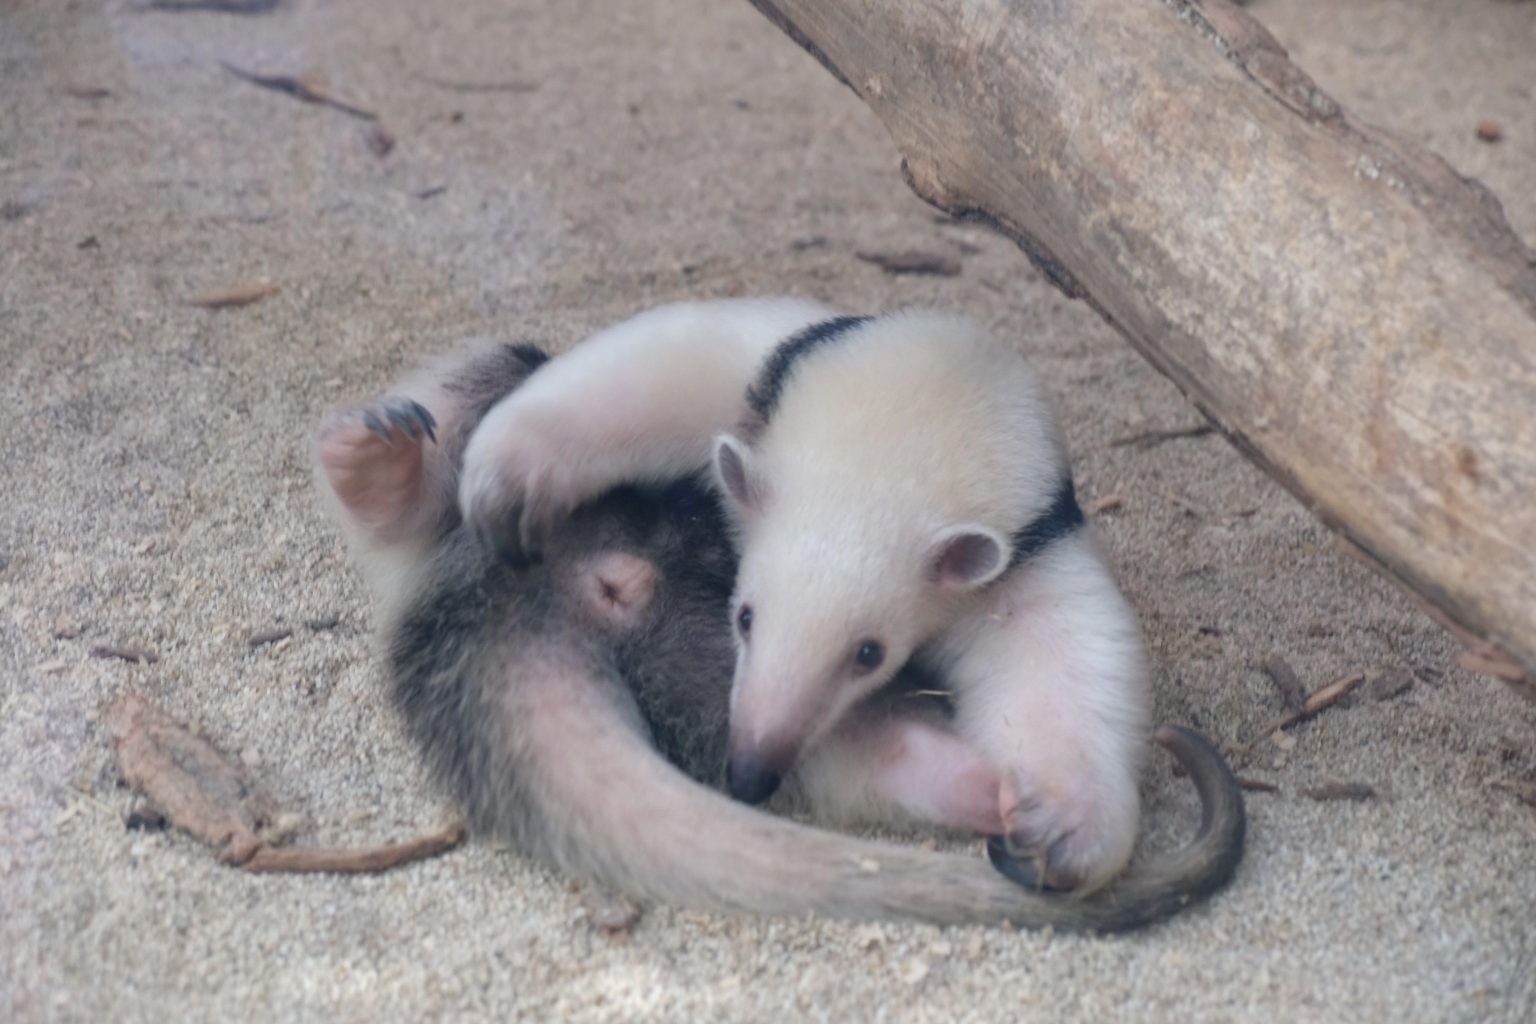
(559, 165)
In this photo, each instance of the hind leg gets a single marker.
(880, 766)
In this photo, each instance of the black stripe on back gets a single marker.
(764, 395)
(1060, 519)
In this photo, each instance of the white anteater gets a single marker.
(901, 492)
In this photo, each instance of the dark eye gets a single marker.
(744, 619)
(869, 655)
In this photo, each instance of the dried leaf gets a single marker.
(234, 297)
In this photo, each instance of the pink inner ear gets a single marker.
(732, 468)
(966, 560)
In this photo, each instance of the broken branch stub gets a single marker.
(1351, 313)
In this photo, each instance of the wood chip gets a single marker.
(1153, 438)
(1524, 791)
(913, 261)
(1257, 785)
(610, 912)
(301, 87)
(1108, 503)
(1489, 131)
(269, 636)
(1292, 693)
(135, 654)
(1356, 792)
(1492, 663)
(381, 141)
(234, 297)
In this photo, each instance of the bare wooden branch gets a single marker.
(1353, 314)
(204, 791)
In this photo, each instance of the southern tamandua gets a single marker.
(546, 694)
(900, 490)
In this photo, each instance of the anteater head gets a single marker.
(833, 595)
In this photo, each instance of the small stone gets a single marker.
(914, 970)
(66, 627)
(869, 936)
(1489, 131)
(284, 827)
(250, 758)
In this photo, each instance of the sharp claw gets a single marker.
(1019, 872)
(426, 419)
(402, 418)
(372, 422)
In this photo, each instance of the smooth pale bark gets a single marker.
(1355, 316)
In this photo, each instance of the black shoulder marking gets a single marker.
(529, 354)
(1061, 518)
(763, 397)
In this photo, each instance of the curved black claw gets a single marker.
(390, 415)
(413, 418)
(1025, 873)
(373, 422)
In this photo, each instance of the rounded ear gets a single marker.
(968, 556)
(733, 471)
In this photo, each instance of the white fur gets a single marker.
(888, 442)
(637, 401)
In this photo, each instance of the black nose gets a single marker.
(751, 778)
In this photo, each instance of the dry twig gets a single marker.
(913, 261)
(124, 653)
(1152, 438)
(303, 88)
(1318, 700)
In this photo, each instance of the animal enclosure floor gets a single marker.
(536, 170)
